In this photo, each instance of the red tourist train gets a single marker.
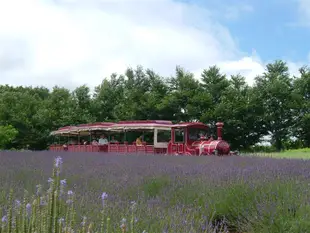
(153, 137)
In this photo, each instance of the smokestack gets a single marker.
(219, 130)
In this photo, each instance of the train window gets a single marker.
(163, 136)
(148, 137)
(195, 134)
(179, 135)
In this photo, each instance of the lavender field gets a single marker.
(160, 193)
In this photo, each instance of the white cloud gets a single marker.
(304, 11)
(70, 43)
(302, 14)
(234, 12)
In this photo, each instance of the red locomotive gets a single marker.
(154, 137)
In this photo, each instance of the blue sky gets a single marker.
(76, 42)
(270, 27)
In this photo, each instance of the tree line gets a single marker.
(278, 104)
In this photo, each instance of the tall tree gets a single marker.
(83, 105)
(275, 91)
(59, 109)
(187, 99)
(157, 91)
(107, 96)
(302, 93)
(242, 114)
(19, 107)
(140, 89)
(215, 84)
(137, 86)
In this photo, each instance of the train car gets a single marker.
(158, 137)
(72, 138)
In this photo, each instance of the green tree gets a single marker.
(140, 95)
(83, 105)
(302, 117)
(107, 98)
(241, 113)
(275, 91)
(187, 100)
(18, 107)
(215, 84)
(7, 134)
(157, 91)
(277, 104)
(59, 109)
(136, 93)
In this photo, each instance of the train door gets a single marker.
(179, 139)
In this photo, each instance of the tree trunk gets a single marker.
(278, 144)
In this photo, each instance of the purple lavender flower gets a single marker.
(103, 197)
(50, 180)
(43, 202)
(70, 196)
(4, 219)
(17, 204)
(58, 161)
(83, 223)
(133, 205)
(39, 189)
(63, 182)
(28, 209)
(62, 186)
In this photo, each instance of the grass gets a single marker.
(152, 193)
(303, 153)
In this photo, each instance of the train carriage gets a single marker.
(159, 137)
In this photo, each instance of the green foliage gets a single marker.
(302, 94)
(7, 135)
(154, 186)
(277, 105)
(248, 207)
(271, 151)
(244, 207)
(275, 88)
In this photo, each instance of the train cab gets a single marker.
(195, 139)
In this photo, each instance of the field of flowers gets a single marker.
(90, 192)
